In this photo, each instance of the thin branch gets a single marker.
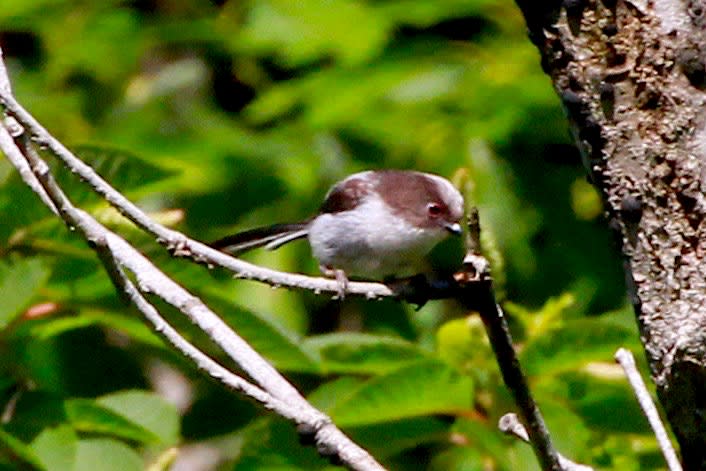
(501, 340)
(330, 440)
(510, 425)
(627, 362)
(480, 297)
(472, 286)
(20, 163)
(283, 395)
(182, 246)
(14, 129)
(161, 326)
(176, 242)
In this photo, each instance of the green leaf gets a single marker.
(560, 416)
(482, 435)
(106, 455)
(132, 326)
(20, 207)
(422, 13)
(148, 410)
(36, 411)
(305, 31)
(19, 283)
(280, 347)
(19, 450)
(422, 388)
(465, 458)
(463, 342)
(605, 405)
(273, 443)
(87, 415)
(391, 438)
(56, 448)
(550, 316)
(574, 345)
(125, 171)
(165, 460)
(329, 394)
(350, 352)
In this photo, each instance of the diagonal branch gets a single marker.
(480, 297)
(202, 361)
(472, 286)
(627, 361)
(510, 424)
(118, 254)
(174, 241)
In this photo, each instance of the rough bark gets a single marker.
(631, 76)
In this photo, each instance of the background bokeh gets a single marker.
(223, 115)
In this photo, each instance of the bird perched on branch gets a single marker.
(373, 225)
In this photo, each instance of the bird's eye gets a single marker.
(434, 209)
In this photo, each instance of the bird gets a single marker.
(373, 225)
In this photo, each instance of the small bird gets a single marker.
(376, 225)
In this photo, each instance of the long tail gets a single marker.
(271, 237)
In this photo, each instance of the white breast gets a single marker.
(370, 241)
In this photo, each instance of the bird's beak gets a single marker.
(454, 228)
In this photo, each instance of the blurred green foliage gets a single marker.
(222, 115)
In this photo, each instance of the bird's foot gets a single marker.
(340, 277)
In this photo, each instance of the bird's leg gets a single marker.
(340, 277)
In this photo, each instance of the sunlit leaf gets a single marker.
(327, 396)
(466, 458)
(106, 455)
(19, 283)
(574, 345)
(279, 346)
(14, 447)
(362, 353)
(124, 171)
(306, 31)
(87, 415)
(132, 326)
(56, 448)
(150, 411)
(463, 342)
(421, 388)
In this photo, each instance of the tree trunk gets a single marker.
(631, 76)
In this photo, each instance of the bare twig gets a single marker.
(501, 340)
(182, 246)
(117, 253)
(627, 362)
(510, 424)
(479, 297)
(474, 259)
(482, 300)
(326, 434)
(14, 129)
(202, 361)
(18, 161)
(176, 242)
(472, 285)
